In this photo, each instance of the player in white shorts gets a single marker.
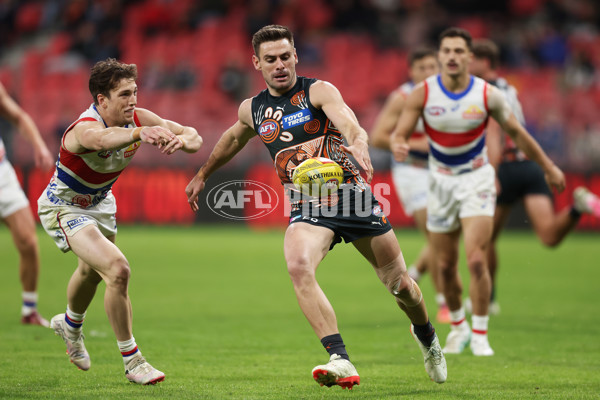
(411, 177)
(77, 208)
(455, 107)
(14, 206)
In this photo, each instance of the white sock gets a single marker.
(457, 318)
(128, 349)
(414, 273)
(440, 299)
(480, 324)
(73, 322)
(30, 300)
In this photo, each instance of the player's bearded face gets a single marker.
(277, 62)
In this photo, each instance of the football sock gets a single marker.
(74, 321)
(335, 345)
(440, 300)
(425, 333)
(414, 273)
(29, 303)
(128, 349)
(480, 324)
(574, 213)
(457, 317)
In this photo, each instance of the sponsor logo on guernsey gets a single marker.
(130, 151)
(297, 118)
(76, 222)
(435, 110)
(473, 112)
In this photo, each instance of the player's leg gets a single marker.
(305, 246)
(384, 254)
(477, 235)
(500, 217)
(549, 226)
(445, 247)
(425, 262)
(101, 259)
(22, 228)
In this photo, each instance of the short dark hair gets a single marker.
(488, 50)
(271, 33)
(420, 53)
(457, 32)
(107, 74)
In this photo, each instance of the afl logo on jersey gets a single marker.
(268, 130)
(435, 110)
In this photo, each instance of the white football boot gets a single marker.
(458, 338)
(75, 348)
(139, 371)
(480, 345)
(338, 371)
(435, 363)
(586, 202)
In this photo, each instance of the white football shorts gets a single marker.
(12, 197)
(62, 222)
(453, 197)
(412, 184)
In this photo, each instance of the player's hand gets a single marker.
(192, 190)
(43, 159)
(171, 146)
(556, 178)
(399, 149)
(360, 151)
(156, 135)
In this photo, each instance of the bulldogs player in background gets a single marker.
(411, 177)
(14, 206)
(77, 209)
(455, 107)
(522, 179)
(297, 118)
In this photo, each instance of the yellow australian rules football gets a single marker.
(318, 176)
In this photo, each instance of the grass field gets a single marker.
(215, 310)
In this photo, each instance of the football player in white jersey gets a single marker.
(411, 176)
(455, 107)
(14, 206)
(77, 209)
(520, 178)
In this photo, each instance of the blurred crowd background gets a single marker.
(194, 60)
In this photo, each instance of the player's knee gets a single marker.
(407, 291)
(300, 270)
(119, 273)
(476, 264)
(400, 284)
(549, 240)
(27, 245)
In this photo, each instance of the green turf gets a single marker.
(215, 310)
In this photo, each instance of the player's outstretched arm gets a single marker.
(186, 138)
(12, 112)
(411, 112)
(327, 97)
(230, 143)
(502, 113)
(94, 136)
(387, 119)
